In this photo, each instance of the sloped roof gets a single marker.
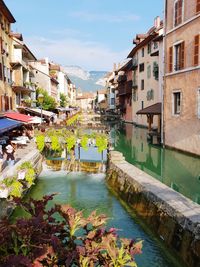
(155, 109)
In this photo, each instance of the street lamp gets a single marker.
(41, 100)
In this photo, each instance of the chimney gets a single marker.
(157, 22)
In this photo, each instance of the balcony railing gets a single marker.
(125, 89)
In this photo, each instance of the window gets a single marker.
(198, 104)
(196, 49)
(156, 70)
(178, 12)
(142, 84)
(179, 54)
(112, 102)
(198, 6)
(142, 104)
(141, 67)
(149, 48)
(149, 72)
(177, 103)
(143, 52)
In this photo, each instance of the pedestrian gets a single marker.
(10, 154)
(1, 158)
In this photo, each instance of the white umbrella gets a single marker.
(36, 120)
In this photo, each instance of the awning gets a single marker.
(36, 120)
(155, 109)
(37, 111)
(7, 124)
(19, 117)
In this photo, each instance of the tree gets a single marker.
(49, 102)
(63, 100)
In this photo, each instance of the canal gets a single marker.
(89, 192)
(177, 170)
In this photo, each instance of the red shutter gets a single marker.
(1, 72)
(196, 50)
(171, 59)
(2, 103)
(198, 6)
(11, 105)
(182, 56)
(178, 12)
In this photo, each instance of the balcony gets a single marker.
(125, 89)
(122, 78)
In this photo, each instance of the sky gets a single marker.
(92, 34)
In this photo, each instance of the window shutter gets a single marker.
(180, 8)
(1, 72)
(176, 14)
(198, 6)
(11, 105)
(171, 59)
(182, 56)
(196, 50)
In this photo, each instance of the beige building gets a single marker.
(182, 75)
(22, 73)
(85, 100)
(6, 94)
(147, 80)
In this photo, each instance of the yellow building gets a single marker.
(182, 75)
(7, 96)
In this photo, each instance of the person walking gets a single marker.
(10, 154)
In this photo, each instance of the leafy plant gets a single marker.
(84, 142)
(55, 144)
(49, 102)
(63, 100)
(101, 143)
(16, 189)
(70, 142)
(73, 240)
(40, 141)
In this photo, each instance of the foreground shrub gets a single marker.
(69, 240)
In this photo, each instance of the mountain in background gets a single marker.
(86, 80)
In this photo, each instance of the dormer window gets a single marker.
(178, 12)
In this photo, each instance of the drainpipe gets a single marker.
(164, 70)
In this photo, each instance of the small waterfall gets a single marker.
(63, 161)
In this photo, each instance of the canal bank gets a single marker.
(170, 215)
(179, 171)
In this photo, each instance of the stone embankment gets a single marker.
(169, 214)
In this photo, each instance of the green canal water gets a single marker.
(177, 170)
(89, 192)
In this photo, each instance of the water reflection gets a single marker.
(177, 170)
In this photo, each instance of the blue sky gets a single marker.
(90, 33)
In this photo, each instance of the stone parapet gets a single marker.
(169, 214)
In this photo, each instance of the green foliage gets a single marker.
(40, 141)
(30, 177)
(55, 144)
(16, 189)
(84, 142)
(72, 120)
(70, 142)
(26, 165)
(63, 100)
(49, 102)
(101, 143)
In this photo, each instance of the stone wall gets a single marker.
(170, 215)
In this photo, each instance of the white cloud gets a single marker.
(85, 15)
(89, 55)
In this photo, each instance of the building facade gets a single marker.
(182, 75)
(22, 73)
(6, 93)
(147, 62)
